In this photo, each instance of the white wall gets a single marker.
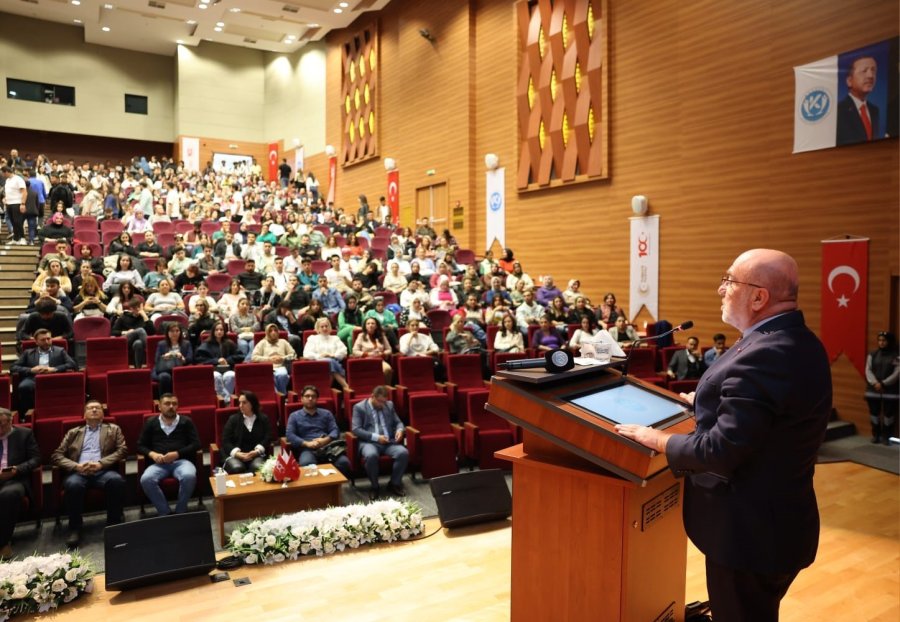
(295, 97)
(53, 53)
(221, 92)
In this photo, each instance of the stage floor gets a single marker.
(464, 574)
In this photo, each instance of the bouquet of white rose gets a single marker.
(321, 532)
(38, 584)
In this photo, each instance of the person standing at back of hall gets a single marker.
(761, 412)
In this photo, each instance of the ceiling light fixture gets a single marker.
(179, 41)
(203, 6)
(108, 6)
(191, 22)
(313, 25)
(220, 24)
(76, 2)
(339, 10)
(343, 5)
(105, 29)
(218, 29)
(234, 10)
(77, 21)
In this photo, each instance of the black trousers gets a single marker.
(739, 596)
(17, 219)
(11, 494)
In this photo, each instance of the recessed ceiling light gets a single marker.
(203, 6)
(108, 6)
(234, 10)
(218, 29)
(76, 2)
(220, 24)
(343, 5)
(313, 25)
(77, 21)
(339, 10)
(179, 41)
(105, 29)
(192, 22)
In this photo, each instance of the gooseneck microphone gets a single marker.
(554, 361)
(683, 326)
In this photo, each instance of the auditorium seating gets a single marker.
(129, 396)
(485, 433)
(415, 376)
(463, 376)
(56, 397)
(103, 355)
(258, 378)
(194, 387)
(433, 441)
(363, 375)
(318, 374)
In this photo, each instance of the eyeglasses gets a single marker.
(726, 280)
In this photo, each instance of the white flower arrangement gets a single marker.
(322, 532)
(267, 470)
(38, 584)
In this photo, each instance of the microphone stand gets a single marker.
(683, 326)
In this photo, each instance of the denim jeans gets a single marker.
(182, 470)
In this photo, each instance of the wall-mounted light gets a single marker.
(329, 150)
(639, 204)
(491, 161)
(390, 164)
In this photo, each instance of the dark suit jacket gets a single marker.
(364, 425)
(59, 359)
(112, 447)
(850, 128)
(682, 367)
(761, 414)
(236, 434)
(24, 454)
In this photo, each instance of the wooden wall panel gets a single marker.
(701, 114)
(64, 146)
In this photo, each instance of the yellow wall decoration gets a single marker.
(359, 89)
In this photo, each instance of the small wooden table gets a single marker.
(263, 499)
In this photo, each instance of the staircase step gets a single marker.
(839, 429)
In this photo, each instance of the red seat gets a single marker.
(88, 328)
(210, 226)
(50, 247)
(5, 394)
(183, 226)
(56, 397)
(363, 375)
(114, 226)
(165, 239)
(318, 374)
(432, 440)
(415, 376)
(129, 396)
(169, 485)
(169, 317)
(485, 433)
(390, 298)
(642, 362)
(33, 508)
(220, 419)
(85, 222)
(88, 236)
(380, 243)
(665, 356)
(463, 376)
(218, 282)
(195, 389)
(235, 267)
(683, 386)
(163, 227)
(96, 249)
(103, 355)
(464, 256)
(258, 377)
(94, 498)
(319, 266)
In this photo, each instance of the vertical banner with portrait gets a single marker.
(845, 297)
(644, 264)
(393, 194)
(847, 99)
(190, 153)
(495, 206)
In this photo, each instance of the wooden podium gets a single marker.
(597, 525)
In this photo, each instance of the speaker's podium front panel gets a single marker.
(597, 525)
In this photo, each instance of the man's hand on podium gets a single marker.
(648, 437)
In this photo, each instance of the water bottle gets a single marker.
(221, 488)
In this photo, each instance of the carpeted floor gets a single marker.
(860, 450)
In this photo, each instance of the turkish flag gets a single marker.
(273, 161)
(332, 178)
(286, 468)
(393, 195)
(845, 293)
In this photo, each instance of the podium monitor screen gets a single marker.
(627, 403)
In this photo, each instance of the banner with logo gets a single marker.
(273, 161)
(393, 195)
(190, 153)
(298, 159)
(845, 99)
(495, 206)
(845, 294)
(644, 262)
(332, 178)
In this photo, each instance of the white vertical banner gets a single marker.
(298, 159)
(815, 105)
(190, 153)
(495, 204)
(644, 262)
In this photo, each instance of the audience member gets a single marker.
(173, 351)
(718, 349)
(90, 457)
(313, 434)
(246, 436)
(170, 443)
(883, 387)
(687, 364)
(19, 456)
(380, 432)
(277, 351)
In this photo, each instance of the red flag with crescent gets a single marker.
(286, 468)
(273, 161)
(845, 293)
(393, 195)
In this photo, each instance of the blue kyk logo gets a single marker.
(815, 105)
(496, 201)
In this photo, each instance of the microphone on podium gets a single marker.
(554, 361)
(683, 326)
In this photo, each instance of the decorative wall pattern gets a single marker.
(561, 94)
(359, 88)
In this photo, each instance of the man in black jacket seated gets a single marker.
(170, 442)
(46, 315)
(45, 358)
(19, 456)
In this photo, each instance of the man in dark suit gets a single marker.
(45, 358)
(19, 456)
(90, 455)
(687, 364)
(761, 414)
(857, 119)
(380, 431)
